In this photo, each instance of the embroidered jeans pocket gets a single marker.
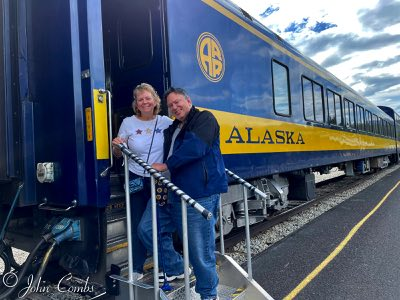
(135, 185)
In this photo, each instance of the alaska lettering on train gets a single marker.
(269, 137)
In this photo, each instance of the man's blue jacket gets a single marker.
(196, 163)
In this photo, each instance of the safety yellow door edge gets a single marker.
(101, 125)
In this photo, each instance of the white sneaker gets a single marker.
(137, 276)
(172, 277)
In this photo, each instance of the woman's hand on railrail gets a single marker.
(116, 141)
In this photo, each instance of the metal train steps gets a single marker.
(233, 284)
(117, 244)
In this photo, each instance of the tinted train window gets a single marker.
(318, 103)
(349, 113)
(331, 107)
(334, 108)
(383, 127)
(280, 83)
(360, 118)
(368, 121)
(313, 101)
(308, 100)
(339, 109)
(375, 124)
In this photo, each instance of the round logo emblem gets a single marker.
(210, 57)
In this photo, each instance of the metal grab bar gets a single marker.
(44, 206)
(128, 228)
(246, 184)
(185, 199)
(102, 91)
(154, 173)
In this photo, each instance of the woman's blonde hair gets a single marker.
(146, 87)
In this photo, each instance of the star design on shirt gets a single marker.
(148, 131)
(158, 130)
(138, 131)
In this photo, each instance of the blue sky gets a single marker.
(357, 41)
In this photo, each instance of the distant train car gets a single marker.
(396, 123)
(68, 69)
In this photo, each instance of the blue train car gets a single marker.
(396, 123)
(68, 69)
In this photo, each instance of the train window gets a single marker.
(390, 128)
(384, 129)
(280, 84)
(387, 129)
(339, 109)
(308, 100)
(368, 122)
(331, 107)
(334, 108)
(313, 101)
(360, 118)
(375, 124)
(318, 103)
(349, 114)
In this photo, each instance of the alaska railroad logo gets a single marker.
(210, 57)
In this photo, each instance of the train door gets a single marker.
(69, 54)
(64, 72)
(58, 58)
(134, 51)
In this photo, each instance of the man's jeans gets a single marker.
(201, 234)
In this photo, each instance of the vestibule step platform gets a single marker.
(234, 284)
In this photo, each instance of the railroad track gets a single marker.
(324, 189)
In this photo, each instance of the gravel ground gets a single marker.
(264, 240)
(19, 255)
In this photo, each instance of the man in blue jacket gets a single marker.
(193, 158)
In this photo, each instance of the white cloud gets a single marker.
(362, 49)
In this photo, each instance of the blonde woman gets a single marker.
(143, 134)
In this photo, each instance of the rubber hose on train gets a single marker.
(25, 267)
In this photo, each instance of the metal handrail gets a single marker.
(246, 186)
(157, 175)
(108, 99)
(185, 200)
(128, 227)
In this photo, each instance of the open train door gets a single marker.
(64, 114)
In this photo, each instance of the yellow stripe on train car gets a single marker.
(101, 125)
(249, 134)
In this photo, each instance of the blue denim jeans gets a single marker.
(168, 258)
(201, 240)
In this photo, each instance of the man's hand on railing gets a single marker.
(160, 167)
(156, 174)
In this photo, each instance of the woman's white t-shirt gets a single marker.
(139, 134)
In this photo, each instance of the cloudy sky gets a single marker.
(356, 40)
